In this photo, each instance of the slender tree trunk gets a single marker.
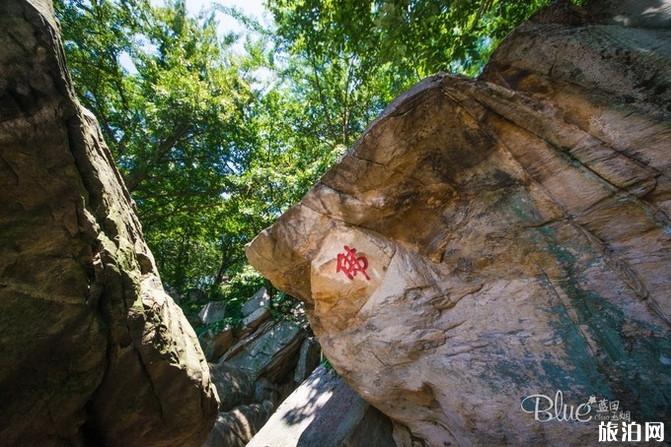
(223, 265)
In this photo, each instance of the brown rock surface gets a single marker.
(93, 350)
(517, 235)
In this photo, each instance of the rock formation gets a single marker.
(511, 235)
(254, 367)
(325, 412)
(93, 350)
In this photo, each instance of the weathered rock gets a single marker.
(255, 312)
(404, 438)
(93, 350)
(256, 371)
(212, 312)
(264, 390)
(325, 412)
(261, 299)
(236, 428)
(254, 320)
(215, 344)
(308, 359)
(270, 354)
(517, 236)
(234, 385)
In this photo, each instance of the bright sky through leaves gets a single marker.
(227, 24)
(218, 126)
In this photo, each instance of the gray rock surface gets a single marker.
(261, 299)
(212, 312)
(270, 354)
(254, 319)
(308, 359)
(325, 412)
(235, 386)
(257, 370)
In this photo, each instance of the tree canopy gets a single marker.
(210, 154)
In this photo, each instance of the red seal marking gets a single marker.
(351, 264)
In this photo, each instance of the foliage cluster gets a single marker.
(211, 152)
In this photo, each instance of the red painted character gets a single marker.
(350, 264)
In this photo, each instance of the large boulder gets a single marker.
(272, 353)
(490, 239)
(93, 350)
(325, 412)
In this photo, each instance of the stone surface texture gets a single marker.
(308, 358)
(517, 235)
(212, 311)
(325, 412)
(93, 351)
(261, 363)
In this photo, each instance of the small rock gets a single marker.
(212, 312)
(271, 353)
(216, 344)
(308, 359)
(253, 320)
(260, 299)
(235, 428)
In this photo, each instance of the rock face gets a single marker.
(512, 236)
(325, 412)
(93, 350)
